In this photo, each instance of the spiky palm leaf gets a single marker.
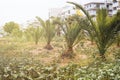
(37, 34)
(103, 29)
(49, 31)
(72, 32)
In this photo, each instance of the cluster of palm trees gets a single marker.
(102, 31)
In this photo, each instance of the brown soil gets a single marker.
(49, 56)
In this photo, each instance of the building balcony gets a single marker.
(110, 13)
(114, 12)
(115, 4)
(110, 8)
(92, 13)
(118, 8)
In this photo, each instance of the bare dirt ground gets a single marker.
(49, 56)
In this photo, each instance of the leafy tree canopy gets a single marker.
(10, 26)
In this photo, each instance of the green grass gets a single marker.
(27, 61)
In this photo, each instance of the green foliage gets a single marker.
(103, 29)
(29, 69)
(10, 26)
(57, 20)
(48, 30)
(33, 33)
(73, 32)
(118, 39)
(37, 35)
(58, 23)
(17, 63)
(17, 34)
(29, 33)
(7, 48)
(117, 54)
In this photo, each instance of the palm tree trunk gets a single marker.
(68, 53)
(48, 46)
(92, 42)
(102, 54)
(118, 44)
(70, 50)
(36, 42)
(58, 31)
(103, 57)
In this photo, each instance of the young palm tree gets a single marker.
(49, 31)
(103, 29)
(34, 33)
(72, 32)
(37, 34)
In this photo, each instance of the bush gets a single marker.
(29, 69)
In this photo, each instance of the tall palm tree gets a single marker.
(49, 31)
(103, 29)
(72, 32)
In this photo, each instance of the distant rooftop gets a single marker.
(94, 3)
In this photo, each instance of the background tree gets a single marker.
(48, 31)
(37, 31)
(17, 34)
(103, 29)
(57, 21)
(33, 33)
(10, 26)
(28, 33)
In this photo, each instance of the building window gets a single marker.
(114, 1)
(90, 5)
(97, 5)
(114, 8)
(107, 6)
(68, 11)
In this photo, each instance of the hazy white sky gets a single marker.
(21, 11)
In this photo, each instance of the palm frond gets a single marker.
(85, 12)
(41, 21)
(103, 29)
(48, 29)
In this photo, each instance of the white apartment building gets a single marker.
(67, 11)
(93, 6)
(116, 6)
(112, 7)
(64, 12)
(54, 12)
(108, 6)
